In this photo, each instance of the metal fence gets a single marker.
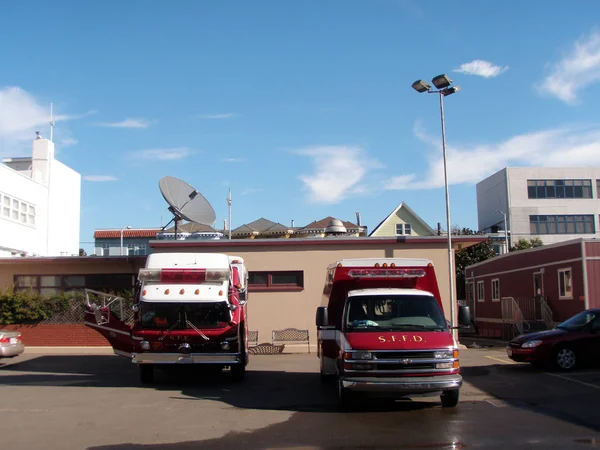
(72, 310)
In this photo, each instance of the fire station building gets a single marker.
(286, 278)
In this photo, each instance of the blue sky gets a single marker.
(304, 109)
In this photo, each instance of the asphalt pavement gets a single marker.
(90, 399)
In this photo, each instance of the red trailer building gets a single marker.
(534, 288)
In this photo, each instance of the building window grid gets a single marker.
(552, 189)
(56, 284)
(562, 224)
(496, 290)
(276, 280)
(17, 210)
(403, 229)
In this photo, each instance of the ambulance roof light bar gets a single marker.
(183, 276)
(386, 273)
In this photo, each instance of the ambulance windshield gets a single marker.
(394, 312)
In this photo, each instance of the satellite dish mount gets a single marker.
(185, 203)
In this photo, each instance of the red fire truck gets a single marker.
(190, 308)
(382, 331)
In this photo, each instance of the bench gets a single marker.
(291, 335)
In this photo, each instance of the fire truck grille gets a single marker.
(414, 355)
(404, 367)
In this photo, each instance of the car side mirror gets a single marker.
(322, 317)
(464, 316)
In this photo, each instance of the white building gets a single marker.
(553, 203)
(40, 205)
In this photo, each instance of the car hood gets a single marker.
(399, 340)
(540, 335)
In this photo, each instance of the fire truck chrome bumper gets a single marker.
(403, 384)
(182, 358)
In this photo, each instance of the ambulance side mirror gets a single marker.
(322, 318)
(464, 316)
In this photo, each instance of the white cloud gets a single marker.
(481, 68)
(233, 160)
(218, 116)
(578, 69)
(22, 114)
(67, 142)
(250, 191)
(567, 146)
(99, 178)
(339, 171)
(127, 123)
(162, 154)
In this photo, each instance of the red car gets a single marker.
(573, 343)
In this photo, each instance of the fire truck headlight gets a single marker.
(145, 345)
(225, 345)
(358, 355)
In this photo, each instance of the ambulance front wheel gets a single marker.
(449, 398)
(346, 398)
(238, 371)
(146, 373)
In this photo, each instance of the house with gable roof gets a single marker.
(318, 228)
(402, 221)
(262, 228)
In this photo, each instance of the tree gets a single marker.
(523, 244)
(467, 256)
(82, 252)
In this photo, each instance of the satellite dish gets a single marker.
(185, 202)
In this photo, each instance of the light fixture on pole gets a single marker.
(128, 227)
(505, 231)
(443, 85)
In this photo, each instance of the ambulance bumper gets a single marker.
(407, 385)
(183, 358)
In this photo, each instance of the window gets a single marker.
(47, 285)
(563, 224)
(290, 280)
(480, 291)
(496, 290)
(17, 210)
(559, 188)
(403, 229)
(565, 284)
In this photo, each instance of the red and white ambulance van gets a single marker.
(382, 331)
(190, 308)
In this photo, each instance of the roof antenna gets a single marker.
(229, 206)
(52, 122)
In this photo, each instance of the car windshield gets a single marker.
(578, 321)
(394, 312)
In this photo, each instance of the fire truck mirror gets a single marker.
(135, 308)
(464, 316)
(322, 319)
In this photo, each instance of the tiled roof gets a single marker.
(132, 233)
(261, 225)
(191, 227)
(323, 223)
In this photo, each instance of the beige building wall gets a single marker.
(272, 310)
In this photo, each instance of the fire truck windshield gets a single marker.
(394, 312)
(179, 316)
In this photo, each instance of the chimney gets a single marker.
(358, 219)
(292, 223)
(224, 224)
(439, 229)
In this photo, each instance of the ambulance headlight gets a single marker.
(359, 355)
(145, 345)
(446, 354)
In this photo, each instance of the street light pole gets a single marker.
(449, 231)
(121, 248)
(442, 83)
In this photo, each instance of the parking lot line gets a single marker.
(583, 383)
(504, 361)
